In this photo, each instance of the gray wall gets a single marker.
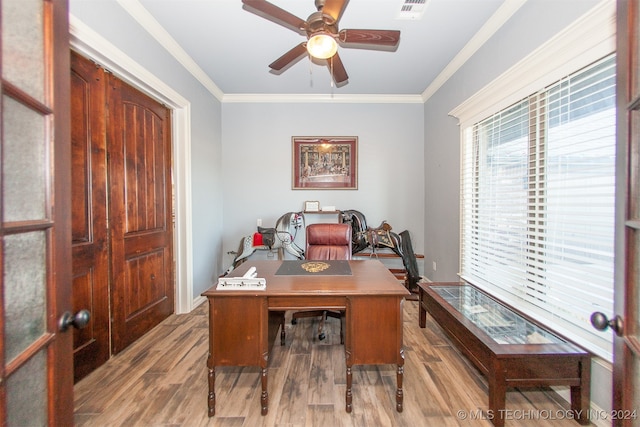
(257, 164)
(206, 125)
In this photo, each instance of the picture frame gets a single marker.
(324, 162)
(311, 206)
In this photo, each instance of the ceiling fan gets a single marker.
(323, 36)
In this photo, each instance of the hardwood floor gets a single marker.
(161, 380)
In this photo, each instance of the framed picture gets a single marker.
(311, 206)
(325, 162)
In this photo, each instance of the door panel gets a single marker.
(633, 39)
(89, 211)
(626, 377)
(36, 383)
(140, 212)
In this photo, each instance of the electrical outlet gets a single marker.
(434, 266)
(259, 222)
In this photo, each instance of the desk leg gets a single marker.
(282, 333)
(348, 356)
(349, 396)
(211, 398)
(264, 397)
(399, 392)
(211, 364)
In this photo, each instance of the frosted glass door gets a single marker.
(34, 390)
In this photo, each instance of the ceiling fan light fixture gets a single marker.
(322, 46)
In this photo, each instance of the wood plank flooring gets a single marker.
(161, 380)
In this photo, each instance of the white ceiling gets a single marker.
(233, 46)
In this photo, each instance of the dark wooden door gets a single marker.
(141, 226)
(626, 377)
(90, 245)
(36, 363)
(122, 234)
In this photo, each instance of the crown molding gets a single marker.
(86, 41)
(153, 27)
(587, 39)
(493, 24)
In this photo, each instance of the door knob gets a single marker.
(78, 321)
(601, 323)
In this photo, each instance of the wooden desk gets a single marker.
(243, 324)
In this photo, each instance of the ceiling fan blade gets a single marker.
(334, 8)
(336, 67)
(289, 58)
(276, 14)
(370, 37)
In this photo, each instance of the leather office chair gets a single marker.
(326, 242)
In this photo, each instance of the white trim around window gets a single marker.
(588, 39)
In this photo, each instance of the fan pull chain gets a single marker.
(310, 71)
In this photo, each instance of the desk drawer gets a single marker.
(307, 302)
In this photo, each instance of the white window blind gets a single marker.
(538, 184)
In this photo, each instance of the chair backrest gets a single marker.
(326, 241)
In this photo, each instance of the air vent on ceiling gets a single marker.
(412, 9)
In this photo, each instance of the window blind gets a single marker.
(537, 220)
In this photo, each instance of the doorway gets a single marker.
(123, 266)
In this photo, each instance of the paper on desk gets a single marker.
(251, 273)
(248, 282)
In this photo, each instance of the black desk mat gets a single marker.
(310, 267)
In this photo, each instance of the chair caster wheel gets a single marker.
(294, 321)
(322, 336)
